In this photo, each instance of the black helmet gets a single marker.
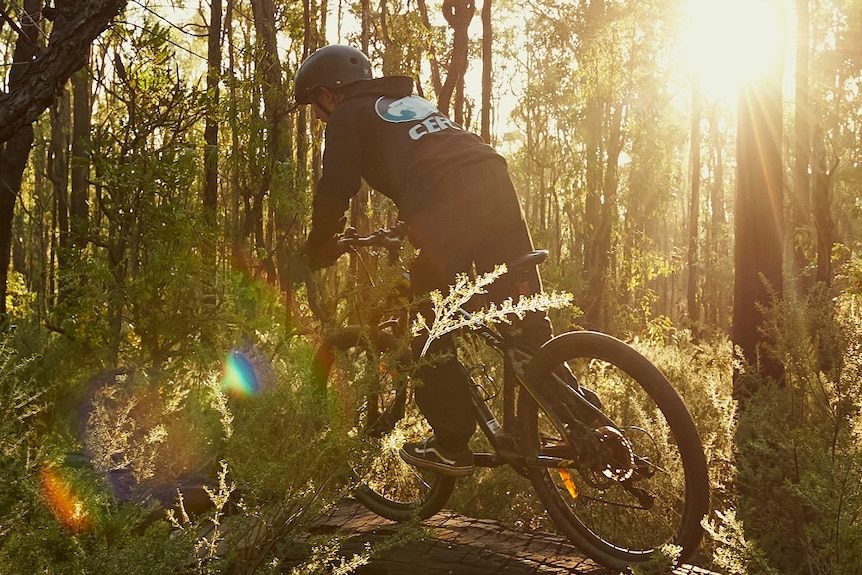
(330, 67)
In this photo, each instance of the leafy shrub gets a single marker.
(799, 450)
(91, 503)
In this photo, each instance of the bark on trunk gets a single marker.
(15, 141)
(76, 25)
(78, 202)
(458, 14)
(759, 224)
(487, 61)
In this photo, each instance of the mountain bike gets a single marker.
(606, 442)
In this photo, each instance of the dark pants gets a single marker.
(477, 221)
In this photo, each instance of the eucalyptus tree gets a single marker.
(147, 240)
(15, 141)
(834, 116)
(800, 201)
(487, 68)
(592, 101)
(622, 57)
(278, 149)
(35, 82)
(75, 26)
(211, 130)
(717, 278)
(759, 215)
(537, 44)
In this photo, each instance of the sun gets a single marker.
(725, 43)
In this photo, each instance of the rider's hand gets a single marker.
(317, 256)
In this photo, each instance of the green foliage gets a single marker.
(141, 284)
(19, 300)
(53, 517)
(662, 561)
(735, 554)
(20, 452)
(501, 495)
(799, 448)
(64, 515)
(447, 319)
(701, 375)
(281, 429)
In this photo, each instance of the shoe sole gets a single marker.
(440, 468)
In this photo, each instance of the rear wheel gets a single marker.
(368, 395)
(624, 484)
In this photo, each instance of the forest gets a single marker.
(694, 168)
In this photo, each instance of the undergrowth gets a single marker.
(799, 449)
(165, 472)
(784, 470)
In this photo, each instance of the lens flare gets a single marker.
(240, 378)
(68, 508)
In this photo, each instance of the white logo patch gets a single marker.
(405, 109)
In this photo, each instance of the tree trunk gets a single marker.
(211, 150)
(16, 139)
(487, 60)
(58, 174)
(717, 306)
(458, 14)
(210, 195)
(432, 58)
(801, 203)
(274, 105)
(758, 222)
(822, 200)
(76, 25)
(605, 206)
(78, 201)
(694, 209)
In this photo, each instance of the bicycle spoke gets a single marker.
(630, 486)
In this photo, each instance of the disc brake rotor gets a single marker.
(616, 460)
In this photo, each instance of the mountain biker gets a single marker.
(454, 193)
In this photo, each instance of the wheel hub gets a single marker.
(613, 457)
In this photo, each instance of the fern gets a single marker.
(448, 318)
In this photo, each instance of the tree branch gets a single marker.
(76, 25)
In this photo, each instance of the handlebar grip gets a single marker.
(390, 239)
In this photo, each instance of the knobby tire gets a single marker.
(387, 486)
(599, 515)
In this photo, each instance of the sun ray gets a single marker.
(728, 42)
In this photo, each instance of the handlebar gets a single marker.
(390, 239)
(385, 238)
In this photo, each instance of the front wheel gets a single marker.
(623, 485)
(366, 385)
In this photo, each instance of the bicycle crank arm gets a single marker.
(519, 460)
(549, 461)
(490, 460)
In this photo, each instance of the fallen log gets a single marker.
(451, 544)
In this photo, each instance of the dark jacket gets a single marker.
(399, 143)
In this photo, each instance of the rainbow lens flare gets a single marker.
(239, 378)
(68, 508)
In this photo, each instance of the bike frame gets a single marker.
(502, 435)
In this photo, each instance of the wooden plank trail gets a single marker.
(457, 545)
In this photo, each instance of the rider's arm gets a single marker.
(340, 181)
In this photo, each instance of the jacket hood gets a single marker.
(389, 86)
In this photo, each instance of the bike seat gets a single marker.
(532, 258)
